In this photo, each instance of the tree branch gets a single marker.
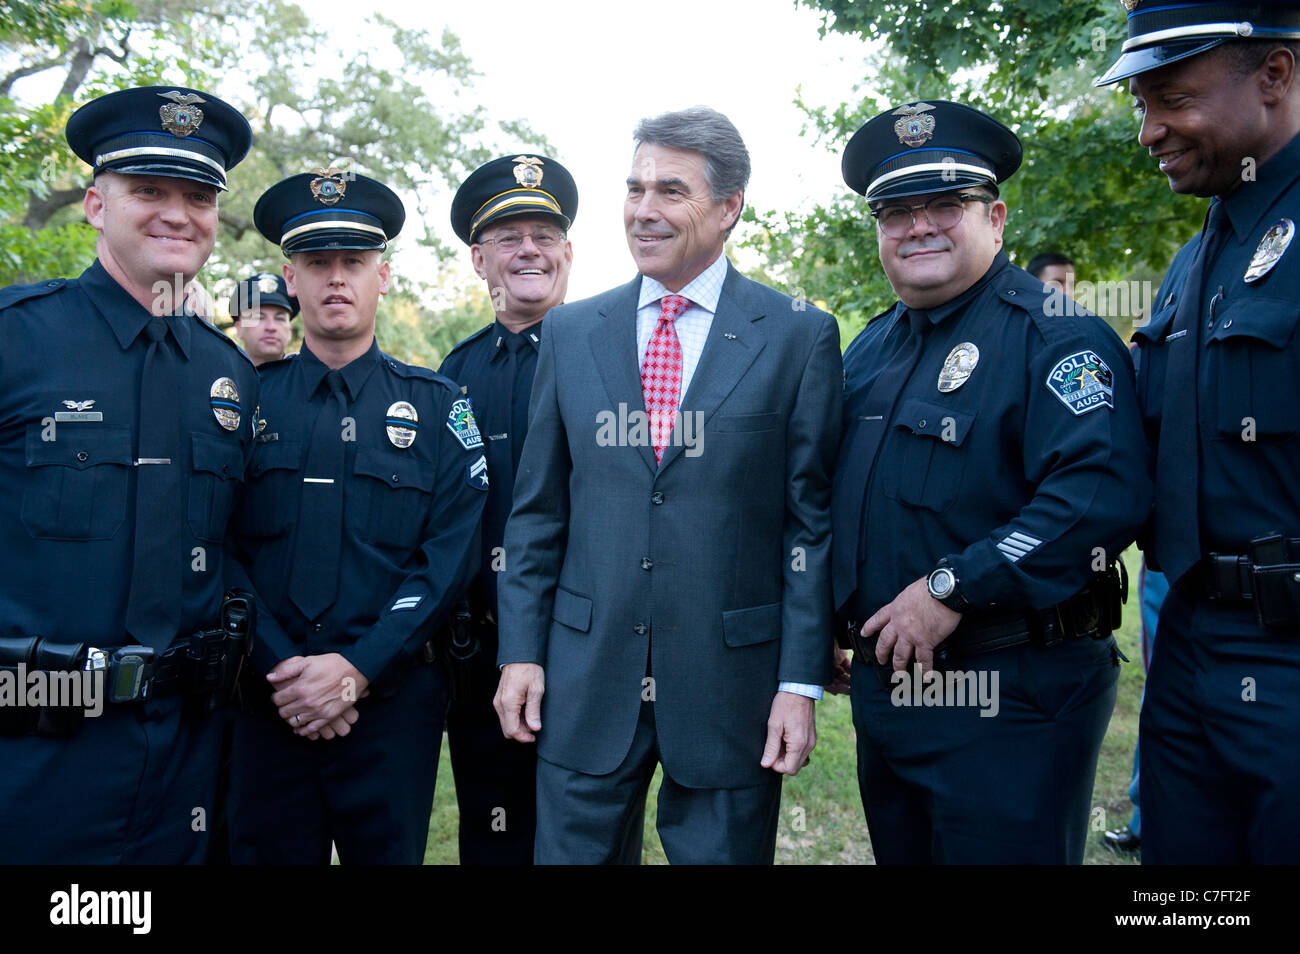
(40, 211)
(7, 83)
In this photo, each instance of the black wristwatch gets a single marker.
(944, 587)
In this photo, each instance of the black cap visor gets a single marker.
(1149, 58)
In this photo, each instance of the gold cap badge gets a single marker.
(329, 186)
(914, 128)
(528, 171)
(181, 116)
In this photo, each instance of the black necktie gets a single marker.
(1177, 516)
(518, 422)
(848, 495)
(313, 582)
(153, 607)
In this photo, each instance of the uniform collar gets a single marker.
(500, 337)
(940, 312)
(124, 315)
(1247, 203)
(354, 373)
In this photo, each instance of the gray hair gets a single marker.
(712, 135)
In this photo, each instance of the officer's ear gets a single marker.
(287, 270)
(476, 258)
(998, 217)
(383, 278)
(94, 202)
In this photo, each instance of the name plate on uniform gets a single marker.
(61, 417)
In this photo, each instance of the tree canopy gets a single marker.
(395, 109)
(1086, 188)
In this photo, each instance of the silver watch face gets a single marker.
(942, 583)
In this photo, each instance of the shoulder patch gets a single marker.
(16, 294)
(1082, 382)
(461, 423)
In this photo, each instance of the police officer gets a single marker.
(1217, 88)
(126, 424)
(992, 468)
(358, 531)
(263, 311)
(514, 214)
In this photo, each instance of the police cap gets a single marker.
(329, 209)
(1161, 32)
(161, 131)
(920, 148)
(262, 289)
(519, 184)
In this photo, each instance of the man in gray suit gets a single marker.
(666, 593)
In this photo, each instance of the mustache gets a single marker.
(937, 243)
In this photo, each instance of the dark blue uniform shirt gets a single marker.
(499, 388)
(1248, 367)
(410, 515)
(1001, 476)
(69, 417)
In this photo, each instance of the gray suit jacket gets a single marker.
(713, 566)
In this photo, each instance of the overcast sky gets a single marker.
(582, 73)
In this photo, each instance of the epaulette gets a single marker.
(210, 327)
(15, 294)
(403, 370)
(471, 339)
(280, 362)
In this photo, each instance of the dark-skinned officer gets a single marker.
(358, 530)
(991, 470)
(125, 425)
(514, 213)
(1217, 89)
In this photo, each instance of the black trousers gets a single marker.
(137, 785)
(945, 784)
(370, 793)
(599, 819)
(496, 777)
(1219, 729)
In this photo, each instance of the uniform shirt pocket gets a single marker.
(388, 499)
(925, 462)
(269, 503)
(218, 466)
(77, 483)
(1253, 367)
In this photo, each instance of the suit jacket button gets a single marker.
(657, 497)
(647, 563)
(640, 629)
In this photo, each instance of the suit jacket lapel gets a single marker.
(614, 350)
(734, 342)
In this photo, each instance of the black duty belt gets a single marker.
(1093, 612)
(1266, 579)
(203, 666)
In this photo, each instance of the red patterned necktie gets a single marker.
(661, 373)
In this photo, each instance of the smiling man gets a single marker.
(357, 530)
(127, 422)
(660, 607)
(263, 311)
(514, 214)
(1217, 90)
(992, 468)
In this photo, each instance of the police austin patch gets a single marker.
(1083, 382)
(460, 421)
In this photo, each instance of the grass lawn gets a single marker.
(821, 812)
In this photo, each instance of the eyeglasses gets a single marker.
(544, 239)
(943, 212)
